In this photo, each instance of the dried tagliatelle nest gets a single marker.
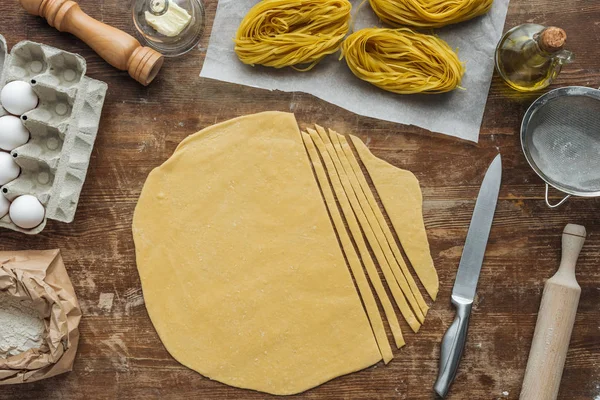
(403, 61)
(299, 34)
(36, 290)
(428, 13)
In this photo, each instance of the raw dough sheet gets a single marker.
(357, 234)
(242, 274)
(404, 272)
(402, 199)
(240, 241)
(351, 255)
(370, 234)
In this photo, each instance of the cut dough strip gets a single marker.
(367, 228)
(375, 226)
(401, 197)
(358, 239)
(402, 273)
(355, 265)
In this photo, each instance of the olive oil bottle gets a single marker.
(530, 56)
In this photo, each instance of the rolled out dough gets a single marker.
(242, 274)
(393, 269)
(402, 273)
(338, 186)
(402, 199)
(351, 255)
(390, 279)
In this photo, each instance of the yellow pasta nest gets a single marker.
(403, 61)
(428, 13)
(284, 33)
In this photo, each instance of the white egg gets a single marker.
(4, 206)
(12, 133)
(18, 97)
(9, 169)
(27, 212)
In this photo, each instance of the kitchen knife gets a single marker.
(467, 276)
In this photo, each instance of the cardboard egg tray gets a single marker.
(63, 127)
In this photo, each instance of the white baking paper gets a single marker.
(458, 113)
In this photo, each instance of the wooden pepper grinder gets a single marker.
(555, 323)
(118, 48)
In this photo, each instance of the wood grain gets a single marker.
(120, 355)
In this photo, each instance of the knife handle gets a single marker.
(453, 345)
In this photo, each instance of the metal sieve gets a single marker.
(560, 136)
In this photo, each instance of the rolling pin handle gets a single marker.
(572, 242)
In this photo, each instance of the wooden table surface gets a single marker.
(120, 355)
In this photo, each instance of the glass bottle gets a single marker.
(530, 56)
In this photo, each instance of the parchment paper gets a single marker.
(41, 276)
(457, 114)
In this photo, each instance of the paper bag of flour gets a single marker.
(39, 316)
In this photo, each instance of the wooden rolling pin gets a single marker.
(118, 48)
(555, 323)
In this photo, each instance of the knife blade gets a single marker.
(467, 276)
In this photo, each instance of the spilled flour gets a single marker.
(21, 327)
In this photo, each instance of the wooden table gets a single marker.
(120, 355)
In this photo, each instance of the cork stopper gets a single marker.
(552, 39)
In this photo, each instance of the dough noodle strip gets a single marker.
(355, 264)
(358, 239)
(401, 197)
(428, 13)
(402, 61)
(283, 33)
(399, 297)
(380, 226)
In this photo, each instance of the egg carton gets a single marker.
(63, 127)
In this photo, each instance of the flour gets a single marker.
(21, 327)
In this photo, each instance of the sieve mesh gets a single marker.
(563, 141)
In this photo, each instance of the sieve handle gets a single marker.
(557, 204)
